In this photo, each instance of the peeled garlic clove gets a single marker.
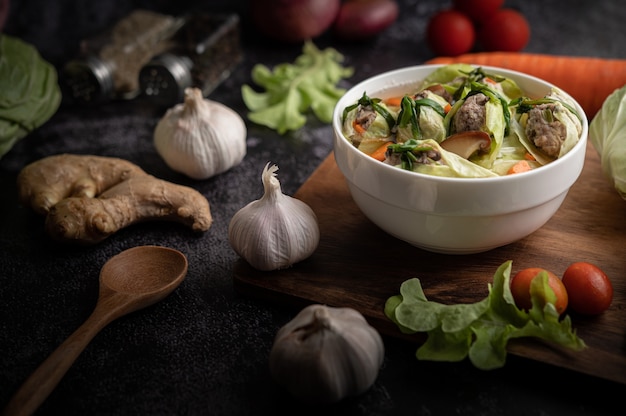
(326, 354)
(200, 138)
(275, 231)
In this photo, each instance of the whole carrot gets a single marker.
(589, 80)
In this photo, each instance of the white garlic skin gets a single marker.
(275, 231)
(200, 138)
(326, 354)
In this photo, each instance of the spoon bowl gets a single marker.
(144, 270)
(129, 281)
(139, 277)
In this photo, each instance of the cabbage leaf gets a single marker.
(449, 164)
(607, 133)
(29, 91)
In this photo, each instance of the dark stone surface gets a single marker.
(204, 349)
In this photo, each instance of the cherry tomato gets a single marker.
(450, 33)
(505, 30)
(478, 10)
(520, 288)
(590, 290)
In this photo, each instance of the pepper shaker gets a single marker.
(202, 54)
(109, 63)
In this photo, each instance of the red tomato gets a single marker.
(590, 290)
(450, 33)
(478, 10)
(505, 30)
(520, 288)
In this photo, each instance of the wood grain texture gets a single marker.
(358, 265)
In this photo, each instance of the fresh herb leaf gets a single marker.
(30, 93)
(292, 89)
(480, 330)
(427, 102)
(409, 116)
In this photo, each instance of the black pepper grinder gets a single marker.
(108, 64)
(202, 54)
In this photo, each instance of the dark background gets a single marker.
(204, 349)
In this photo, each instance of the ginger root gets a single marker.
(47, 181)
(84, 205)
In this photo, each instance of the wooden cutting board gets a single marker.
(358, 265)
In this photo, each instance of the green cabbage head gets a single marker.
(29, 91)
(607, 133)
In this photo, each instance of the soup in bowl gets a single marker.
(427, 165)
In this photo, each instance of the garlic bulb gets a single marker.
(200, 138)
(275, 231)
(326, 354)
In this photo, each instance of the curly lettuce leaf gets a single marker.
(30, 93)
(607, 133)
(480, 331)
(291, 90)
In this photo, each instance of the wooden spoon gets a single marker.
(129, 281)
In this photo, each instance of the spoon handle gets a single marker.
(38, 386)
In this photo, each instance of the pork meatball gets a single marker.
(471, 115)
(544, 130)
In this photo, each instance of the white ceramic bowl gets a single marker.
(453, 215)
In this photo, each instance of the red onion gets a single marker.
(293, 21)
(4, 12)
(362, 19)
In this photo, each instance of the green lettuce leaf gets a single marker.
(291, 90)
(30, 93)
(480, 331)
